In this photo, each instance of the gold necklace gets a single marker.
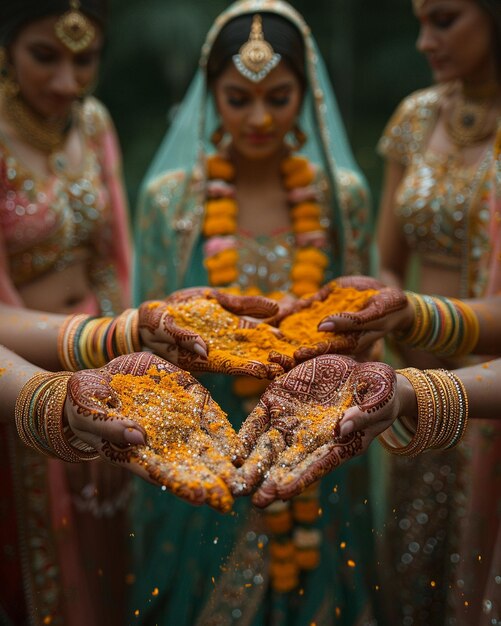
(468, 122)
(45, 135)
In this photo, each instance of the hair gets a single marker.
(282, 35)
(15, 14)
(493, 9)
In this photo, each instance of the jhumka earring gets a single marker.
(300, 138)
(256, 58)
(217, 136)
(74, 29)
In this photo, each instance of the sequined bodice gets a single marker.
(442, 204)
(441, 211)
(265, 262)
(46, 223)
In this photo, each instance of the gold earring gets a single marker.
(300, 138)
(217, 136)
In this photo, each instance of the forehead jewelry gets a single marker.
(74, 29)
(256, 57)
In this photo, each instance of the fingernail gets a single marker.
(326, 326)
(134, 436)
(346, 428)
(197, 348)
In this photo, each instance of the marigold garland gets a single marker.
(220, 225)
(289, 551)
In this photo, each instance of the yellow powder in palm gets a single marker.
(229, 344)
(301, 328)
(175, 422)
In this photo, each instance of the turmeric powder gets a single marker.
(231, 347)
(180, 427)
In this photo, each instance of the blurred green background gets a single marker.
(153, 49)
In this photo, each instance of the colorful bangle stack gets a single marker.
(445, 326)
(87, 342)
(39, 419)
(442, 414)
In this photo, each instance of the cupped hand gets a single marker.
(355, 332)
(189, 451)
(295, 436)
(190, 326)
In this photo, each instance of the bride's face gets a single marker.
(258, 115)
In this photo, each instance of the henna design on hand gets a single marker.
(292, 437)
(207, 475)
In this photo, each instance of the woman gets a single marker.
(273, 222)
(63, 248)
(435, 218)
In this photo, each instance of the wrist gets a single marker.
(407, 398)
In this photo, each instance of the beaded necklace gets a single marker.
(308, 226)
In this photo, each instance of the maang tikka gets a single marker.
(256, 58)
(74, 29)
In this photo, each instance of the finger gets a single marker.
(114, 427)
(374, 316)
(285, 362)
(184, 338)
(156, 325)
(361, 283)
(354, 419)
(185, 359)
(263, 455)
(190, 481)
(369, 318)
(253, 306)
(255, 425)
(285, 484)
(342, 344)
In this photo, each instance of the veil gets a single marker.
(187, 142)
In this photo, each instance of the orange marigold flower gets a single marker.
(221, 207)
(313, 256)
(223, 276)
(305, 511)
(306, 209)
(283, 569)
(293, 164)
(219, 226)
(306, 225)
(217, 167)
(301, 178)
(308, 272)
(308, 559)
(284, 585)
(285, 550)
(280, 522)
(221, 259)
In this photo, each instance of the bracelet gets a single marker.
(442, 415)
(86, 342)
(39, 414)
(445, 326)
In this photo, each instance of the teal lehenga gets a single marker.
(193, 565)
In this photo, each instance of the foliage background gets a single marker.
(153, 48)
